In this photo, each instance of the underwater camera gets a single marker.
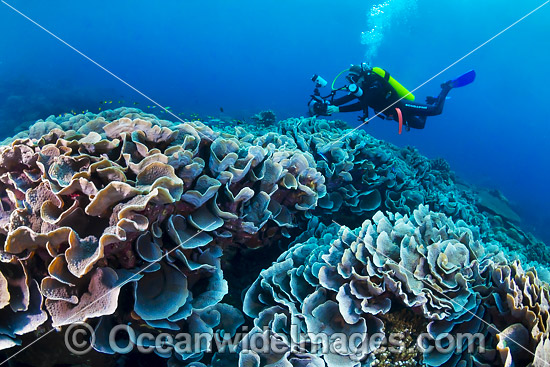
(317, 104)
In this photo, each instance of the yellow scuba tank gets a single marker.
(401, 90)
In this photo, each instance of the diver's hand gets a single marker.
(333, 109)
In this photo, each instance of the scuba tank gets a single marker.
(402, 92)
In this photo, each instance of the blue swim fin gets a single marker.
(463, 80)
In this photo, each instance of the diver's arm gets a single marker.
(343, 100)
(336, 105)
(358, 106)
(347, 108)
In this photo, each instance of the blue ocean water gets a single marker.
(234, 59)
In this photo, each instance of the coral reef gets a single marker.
(495, 202)
(21, 304)
(356, 281)
(128, 202)
(364, 175)
(122, 218)
(265, 118)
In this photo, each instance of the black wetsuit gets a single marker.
(378, 94)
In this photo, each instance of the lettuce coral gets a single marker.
(124, 218)
(129, 202)
(21, 304)
(439, 270)
(364, 175)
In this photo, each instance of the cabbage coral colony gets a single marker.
(123, 218)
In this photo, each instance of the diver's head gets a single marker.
(356, 72)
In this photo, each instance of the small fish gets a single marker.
(136, 103)
(110, 101)
(100, 108)
(323, 156)
(221, 109)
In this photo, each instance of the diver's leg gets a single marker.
(416, 122)
(440, 101)
(420, 109)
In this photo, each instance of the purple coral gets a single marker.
(132, 202)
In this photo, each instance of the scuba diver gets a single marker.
(375, 88)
